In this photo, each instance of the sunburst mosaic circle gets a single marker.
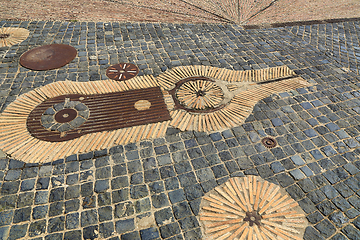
(251, 208)
(65, 116)
(199, 94)
(10, 36)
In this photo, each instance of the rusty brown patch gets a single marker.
(48, 57)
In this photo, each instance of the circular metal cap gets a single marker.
(122, 71)
(269, 142)
(65, 115)
(48, 57)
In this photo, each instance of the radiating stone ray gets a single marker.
(249, 8)
(231, 11)
(227, 9)
(232, 211)
(176, 6)
(237, 11)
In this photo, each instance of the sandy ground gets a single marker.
(194, 11)
(304, 10)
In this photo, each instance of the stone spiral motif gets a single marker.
(10, 36)
(251, 208)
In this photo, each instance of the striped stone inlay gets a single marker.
(10, 36)
(246, 89)
(251, 208)
(16, 140)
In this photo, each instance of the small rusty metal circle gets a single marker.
(253, 218)
(66, 115)
(4, 35)
(197, 94)
(48, 57)
(122, 71)
(269, 142)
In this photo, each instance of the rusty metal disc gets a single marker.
(48, 57)
(269, 142)
(122, 71)
(65, 115)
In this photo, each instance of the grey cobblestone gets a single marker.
(97, 193)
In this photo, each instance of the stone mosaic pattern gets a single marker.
(49, 122)
(199, 95)
(108, 193)
(24, 132)
(17, 140)
(191, 111)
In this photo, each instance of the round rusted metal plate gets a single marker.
(66, 115)
(269, 142)
(48, 57)
(122, 71)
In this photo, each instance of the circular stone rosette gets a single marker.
(65, 116)
(10, 36)
(199, 94)
(251, 208)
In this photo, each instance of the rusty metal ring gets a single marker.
(269, 142)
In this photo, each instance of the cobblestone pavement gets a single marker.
(153, 189)
(337, 40)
